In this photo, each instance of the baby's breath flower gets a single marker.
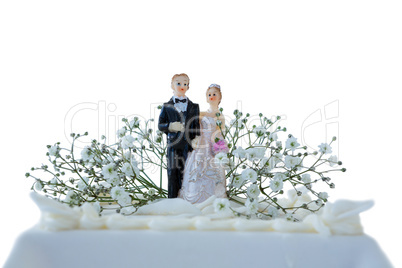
(38, 186)
(276, 185)
(108, 171)
(121, 132)
(54, 150)
(306, 178)
(249, 174)
(127, 142)
(221, 205)
(273, 212)
(253, 191)
(237, 181)
(152, 191)
(82, 183)
(291, 143)
(259, 131)
(87, 154)
(292, 161)
(333, 160)
(323, 195)
(239, 152)
(325, 148)
(251, 206)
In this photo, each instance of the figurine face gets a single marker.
(213, 96)
(180, 86)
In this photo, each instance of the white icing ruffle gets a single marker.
(338, 218)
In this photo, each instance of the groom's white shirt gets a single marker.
(180, 106)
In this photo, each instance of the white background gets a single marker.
(290, 58)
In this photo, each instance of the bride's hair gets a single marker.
(218, 87)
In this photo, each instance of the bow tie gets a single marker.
(178, 100)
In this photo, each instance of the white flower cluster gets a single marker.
(261, 169)
(264, 169)
(121, 196)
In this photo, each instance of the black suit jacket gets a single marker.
(191, 121)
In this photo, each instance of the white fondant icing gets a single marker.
(338, 218)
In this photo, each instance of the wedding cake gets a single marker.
(237, 196)
(176, 233)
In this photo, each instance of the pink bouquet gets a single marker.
(220, 147)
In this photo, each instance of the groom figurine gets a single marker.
(179, 119)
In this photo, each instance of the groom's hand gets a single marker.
(176, 127)
(195, 141)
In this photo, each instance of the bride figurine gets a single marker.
(202, 178)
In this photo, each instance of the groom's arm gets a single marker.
(195, 124)
(163, 124)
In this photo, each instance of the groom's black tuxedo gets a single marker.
(178, 143)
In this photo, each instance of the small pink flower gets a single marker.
(220, 146)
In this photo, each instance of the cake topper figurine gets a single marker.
(179, 120)
(203, 178)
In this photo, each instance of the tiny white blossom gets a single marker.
(291, 143)
(38, 186)
(53, 182)
(306, 178)
(255, 153)
(121, 132)
(127, 142)
(249, 174)
(333, 160)
(273, 212)
(152, 191)
(264, 161)
(259, 131)
(237, 181)
(323, 195)
(124, 200)
(114, 180)
(325, 148)
(253, 191)
(117, 192)
(221, 205)
(221, 159)
(252, 207)
(276, 185)
(53, 150)
(292, 161)
(277, 158)
(127, 169)
(267, 163)
(319, 202)
(108, 171)
(279, 177)
(273, 136)
(87, 154)
(237, 123)
(69, 197)
(108, 159)
(239, 152)
(134, 123)
(82, 183)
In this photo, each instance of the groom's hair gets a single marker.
(182, 74)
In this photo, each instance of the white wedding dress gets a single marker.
(202, 178)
